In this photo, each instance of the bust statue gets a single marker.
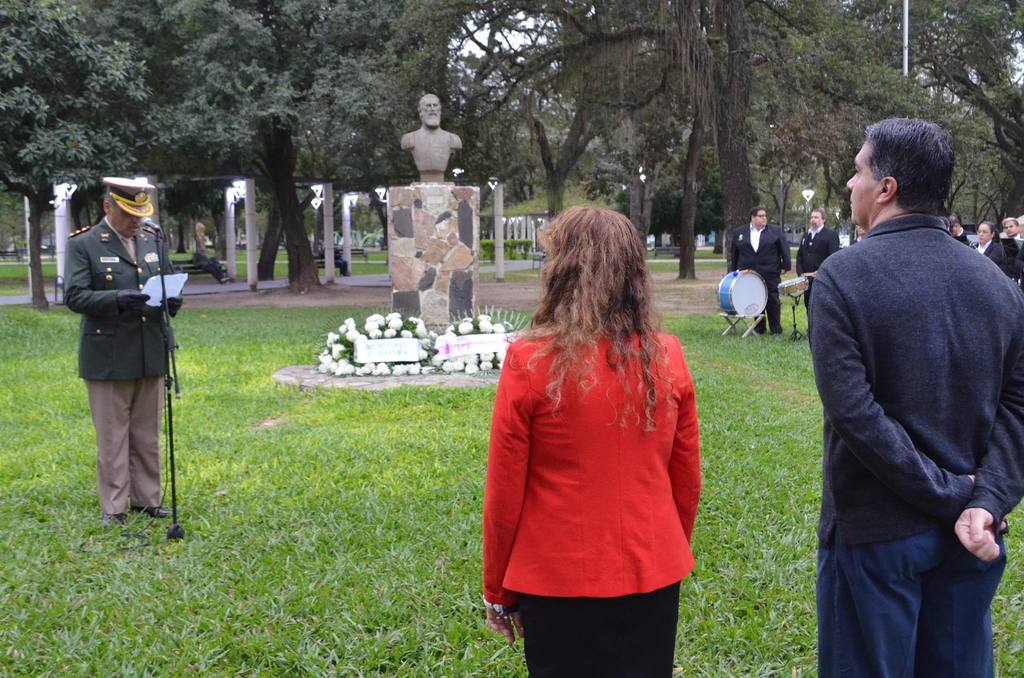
(431, 146)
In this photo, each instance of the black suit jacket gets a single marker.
(995, 253)
(772, 255)
(812, 252)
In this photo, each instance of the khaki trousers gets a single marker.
(126, 415)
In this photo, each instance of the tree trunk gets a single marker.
(732, 75)
(555, 187)
(271, 243)
(279, 151)
(37, 206)
(181, 249)
(1014, 204)
(687, 249)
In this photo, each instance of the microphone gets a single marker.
(151, 224)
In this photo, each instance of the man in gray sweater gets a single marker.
(924, 442)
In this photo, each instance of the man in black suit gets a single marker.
(818, 244)
(764, 249)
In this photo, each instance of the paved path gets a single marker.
(193, 287)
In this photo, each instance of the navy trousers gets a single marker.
(918, 606)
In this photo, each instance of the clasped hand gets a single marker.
(976, 530)
(507, 626)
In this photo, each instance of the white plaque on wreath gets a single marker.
(450, 346)
(387, 351)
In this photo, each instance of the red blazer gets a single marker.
(579, 501)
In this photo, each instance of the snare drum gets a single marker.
(743, 293)
(794, 287)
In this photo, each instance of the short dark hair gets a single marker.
(991, 227)
(819, 211)
(918, 155)
(755, 210)
(953, 218)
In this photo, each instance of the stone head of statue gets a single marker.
(430, 111)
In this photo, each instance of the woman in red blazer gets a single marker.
(593, 473)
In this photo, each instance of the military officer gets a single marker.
(121, 353)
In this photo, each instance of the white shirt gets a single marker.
(983, 248)
(755, 236)
(814, 231)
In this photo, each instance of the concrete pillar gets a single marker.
(499, 232)
(346, 225)
(61, 223)
(252, 234)
(229, 231)
(329, 268)
(28, 241)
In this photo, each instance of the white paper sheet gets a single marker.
(175, 282)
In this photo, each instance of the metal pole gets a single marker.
(499, 232)
(906, 38)
(329, 267)
(251, 234)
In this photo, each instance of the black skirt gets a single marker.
(630, 636)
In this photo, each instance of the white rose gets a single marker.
(376, 334)
(398, 370)
(483, 318)
(352, 335)
(450, 330)
(395, 324)
(421, 331)
(437, 360)
(336, 351)
(406, 334)
(349, 322)
(423, 354)
(414, 368)
(458, 366)
(486, 365)
(427, 370)
(471, 359)
(371, 326)
(375, 318)
(486, 327)
(465, 327)
(499, 328)
(472, 369)
(485, 357)
(389, 334)
(447, 366)
(332, 338)
(347, 369)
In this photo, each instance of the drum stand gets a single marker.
(795, 335)
(748, 323)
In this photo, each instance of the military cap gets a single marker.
(130, 195)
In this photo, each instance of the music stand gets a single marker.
(794, 289)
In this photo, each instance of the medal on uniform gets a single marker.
(151, 257)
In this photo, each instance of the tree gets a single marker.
(69, 108)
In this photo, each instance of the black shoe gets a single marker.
(112, 519)
(152, 511)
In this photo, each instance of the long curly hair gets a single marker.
(595, 287)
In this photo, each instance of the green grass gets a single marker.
(339, 532)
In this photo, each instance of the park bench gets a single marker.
(356, 252)
(11, 254)
(186, 266)
(671, 251)
(537, 258)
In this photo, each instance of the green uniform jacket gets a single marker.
(113, 344)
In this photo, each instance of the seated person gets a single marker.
(201, 261)
(339, 261)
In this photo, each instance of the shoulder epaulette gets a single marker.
(149, 230)
(84, 229)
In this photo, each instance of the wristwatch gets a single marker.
(500, 610)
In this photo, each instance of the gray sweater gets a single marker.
(918, 347)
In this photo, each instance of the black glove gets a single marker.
(130, 300)
(174, 305)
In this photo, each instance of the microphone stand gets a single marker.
(175, 531)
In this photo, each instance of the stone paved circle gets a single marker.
(306, 377)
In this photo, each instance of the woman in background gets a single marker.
(989, 245)
(593, 473)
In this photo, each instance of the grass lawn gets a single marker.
(339, 532)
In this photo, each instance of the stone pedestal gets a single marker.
(434, 242)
